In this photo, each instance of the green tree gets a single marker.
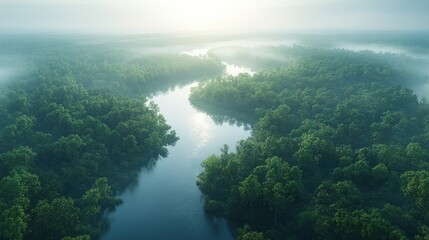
(343, 194)
(80, 237)
(213, 180)
(99, 197)
(91, 199)
(68, 148)
(250, 189)
(424, 233)
(13, 223)
(282, 185)
(246, 233)
(54, 220)
(416, 186)
(19, 188)
(21, 157)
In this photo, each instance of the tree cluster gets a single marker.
(69, 144)
(338, 151)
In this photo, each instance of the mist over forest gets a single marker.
(205, 119)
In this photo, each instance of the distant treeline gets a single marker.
(339, 150)
(103, 63)
(71, 138)
(264, 58)
(141, 75)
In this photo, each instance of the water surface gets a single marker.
(166, 203)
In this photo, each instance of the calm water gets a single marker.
(230, 69)
(235, 70)
(166, 203)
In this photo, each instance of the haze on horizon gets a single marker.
(207, 16)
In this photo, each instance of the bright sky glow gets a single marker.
(139, 16)
(203, 14)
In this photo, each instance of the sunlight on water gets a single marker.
(235, 70)
(203, 52)
(201, 130)
(231, 69)
(166, 203)
(166, 197)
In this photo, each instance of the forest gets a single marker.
(76, 128)
(338, 149)
(214, 119)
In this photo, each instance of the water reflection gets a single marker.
(235, 70)
(221, 116)
(166, 203)
(230, 69)
(201, 130)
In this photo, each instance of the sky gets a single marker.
(210, 16)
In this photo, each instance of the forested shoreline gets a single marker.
(76, 129)
(339, 145)
(338, 150)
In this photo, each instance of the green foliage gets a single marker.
(416, 186)
(13, 223)
(135, 76)
(360, 225)
(18, 158)
(69, 122)
(54, 220)
(335, 138)
(100, 196)
(80, 237)
(246, 233)
(424, 233)
(250, 189)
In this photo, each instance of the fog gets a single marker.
(4, 74)
(12, 66)
(90, 88)
(232, 16)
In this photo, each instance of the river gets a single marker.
(166, 203)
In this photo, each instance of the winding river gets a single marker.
(166, 203)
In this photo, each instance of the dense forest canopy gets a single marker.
(338, 150)
(72, 136)
(339, 145)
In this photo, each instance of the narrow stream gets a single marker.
(166, 203)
